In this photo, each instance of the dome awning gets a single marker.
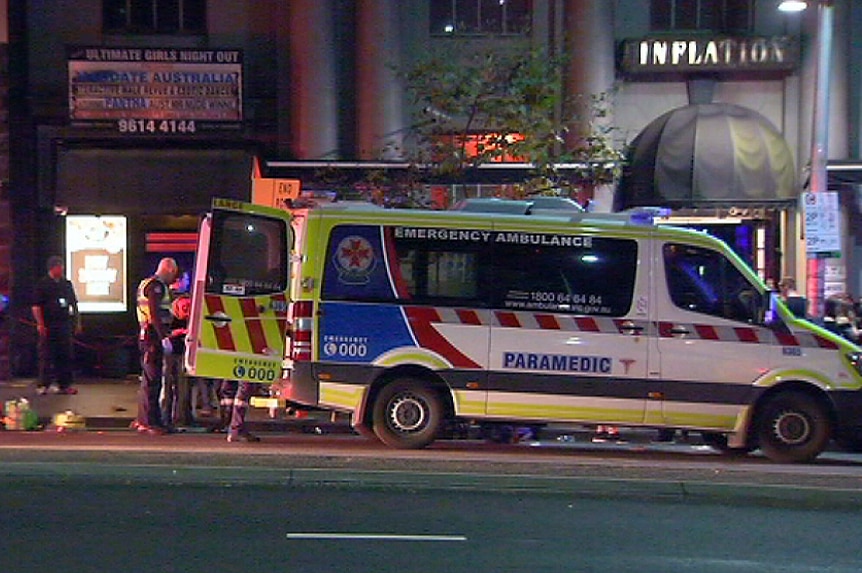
(709, 155)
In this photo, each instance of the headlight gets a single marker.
(855, 359)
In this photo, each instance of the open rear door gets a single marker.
(238, 322)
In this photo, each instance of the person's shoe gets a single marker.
(41, 390)
(243, 437)
(53, 389)
(69, 391)
(149, 430)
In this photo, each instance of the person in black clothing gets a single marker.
(154, 318)
(797, 303)
(55, 308)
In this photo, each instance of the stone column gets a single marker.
(308, 93)
(379, 92)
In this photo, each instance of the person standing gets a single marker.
(234, 405)
(797, 303)
(154, 318)
(175, 396)
(55, 309)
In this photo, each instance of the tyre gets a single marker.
(719, 442)
(407, 414)
(793, 427)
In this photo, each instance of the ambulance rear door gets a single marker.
(238, 323)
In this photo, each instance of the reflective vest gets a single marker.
(144, 318)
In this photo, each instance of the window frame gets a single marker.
(445, 18)
(126, 16)
(717, 16)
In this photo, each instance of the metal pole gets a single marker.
(820, 141)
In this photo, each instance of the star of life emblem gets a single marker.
(355, 261)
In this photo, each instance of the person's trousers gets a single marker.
(152, 356)
(235, 395)
(175, 395)
(55, 356)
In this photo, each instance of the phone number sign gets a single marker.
(155, 91)
(822, 224)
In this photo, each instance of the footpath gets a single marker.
(111, 403)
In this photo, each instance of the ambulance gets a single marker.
(411, 320)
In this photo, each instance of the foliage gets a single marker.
(478, 107)
(509, 100)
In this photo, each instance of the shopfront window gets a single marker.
(720, 16)
(154, 16)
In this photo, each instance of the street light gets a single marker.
(820, 131)
(792, 5)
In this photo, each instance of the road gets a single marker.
(170, 517)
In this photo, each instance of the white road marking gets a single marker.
(376, 536)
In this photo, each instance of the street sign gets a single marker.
(822, 224)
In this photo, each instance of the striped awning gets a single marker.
(709, 155)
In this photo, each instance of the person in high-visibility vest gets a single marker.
(154, 318)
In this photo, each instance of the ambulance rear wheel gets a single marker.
(792, 428)
(407, 414)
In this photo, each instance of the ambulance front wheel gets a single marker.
(793, 427)
(407, 414)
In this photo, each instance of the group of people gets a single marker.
(841, 314)
(163, 319)
(164, 396)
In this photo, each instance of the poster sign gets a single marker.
(152, 91)
(96, 261)
(822, 224)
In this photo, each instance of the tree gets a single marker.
(481, 106)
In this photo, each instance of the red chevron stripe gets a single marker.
(706, 331)
(547, 322)
(253, 325)
(587, 324)
(468, 316)
(421, 320)
(508, 319)
(224, 338)
(748, 335)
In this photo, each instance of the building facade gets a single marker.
(146, 109)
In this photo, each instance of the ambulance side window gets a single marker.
(703, 280)
(247, 255)
(368, 263)
(593, 276)
(437, 273)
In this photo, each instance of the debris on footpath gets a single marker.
(68, 420)
(17, 415)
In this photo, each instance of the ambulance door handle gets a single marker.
(631, 327)
(220, 319)
(679, 330)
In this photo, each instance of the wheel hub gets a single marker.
(792, 428)
(407, 413)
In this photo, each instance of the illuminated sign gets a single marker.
(96, 259)
(723, 54)
(147, 91)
